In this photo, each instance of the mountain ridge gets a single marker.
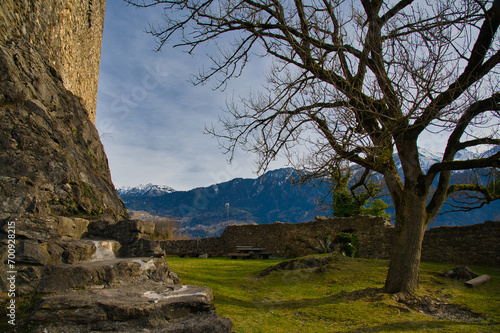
(271, 197)
(145, 189)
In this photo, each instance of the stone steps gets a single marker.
(122, 295)
(86, 288)
(119, 271)
(145, 307)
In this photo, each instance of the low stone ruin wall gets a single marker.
(290, 240)
(477, 244)
(473, 244)
(213, 247)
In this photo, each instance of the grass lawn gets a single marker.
(346, 297)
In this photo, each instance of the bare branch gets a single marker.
(476, 68)
(357, 82)
(488, 196)
(492, 161)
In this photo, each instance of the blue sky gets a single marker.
(151, 119)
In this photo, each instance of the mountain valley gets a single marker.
(272, 197)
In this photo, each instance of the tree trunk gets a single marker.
(404, 267)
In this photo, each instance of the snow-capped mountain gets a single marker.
(463, 155)
(148, 190)
(428, 158)
(266, 199)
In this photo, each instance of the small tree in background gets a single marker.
(353, 196)
(359, 81)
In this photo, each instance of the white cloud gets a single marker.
(151, 119)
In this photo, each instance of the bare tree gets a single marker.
(359, 81)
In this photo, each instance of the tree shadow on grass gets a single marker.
(368, 294)
(265, 304)
(410, 326)
(237, 302)
(371, 294)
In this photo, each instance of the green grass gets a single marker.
(344, 298)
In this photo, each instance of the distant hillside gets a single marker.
(266, 199)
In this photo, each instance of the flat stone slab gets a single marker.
(60, 278)
(144, 307)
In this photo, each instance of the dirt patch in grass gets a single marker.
(320, 263)
(438, 308)
(432, 306)
(424, 304)
(461, 273)
(428, 305)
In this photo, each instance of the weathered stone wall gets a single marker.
(474, 244)
(52, 162)
(213, 246)
(54, 174)
(290, 239)
(68, 33)
(477, 244)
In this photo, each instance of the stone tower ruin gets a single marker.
(52, 162)
(68, 33)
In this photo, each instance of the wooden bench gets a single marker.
(249, 252)
(265, 255)
(239, 255)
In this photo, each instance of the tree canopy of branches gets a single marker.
(359, 81)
